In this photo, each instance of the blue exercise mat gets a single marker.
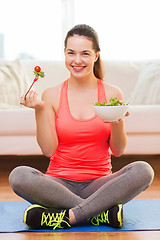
(139, 215)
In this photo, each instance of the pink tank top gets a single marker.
(83, 151)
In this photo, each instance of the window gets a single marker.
(127, 29)
(31, 29)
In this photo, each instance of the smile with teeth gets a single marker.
(78, 68)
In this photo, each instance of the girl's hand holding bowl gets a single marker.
(112, 112)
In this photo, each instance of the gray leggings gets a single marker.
(85, 198)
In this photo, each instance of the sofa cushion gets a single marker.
(122, 74)
(147, 88)
(143, 119)
(17, 122)
(13, 83)
(19, 145)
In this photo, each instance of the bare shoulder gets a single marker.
(52, 96)
(51, 92)
(113, 91)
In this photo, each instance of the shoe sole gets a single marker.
(120, 215)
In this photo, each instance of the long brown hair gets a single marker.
(89, 32)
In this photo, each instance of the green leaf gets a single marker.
(41, 74)
(113, 102)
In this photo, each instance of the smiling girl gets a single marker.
(78, 186)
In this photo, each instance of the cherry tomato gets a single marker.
(37, 69)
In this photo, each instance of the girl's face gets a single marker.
(80, 56)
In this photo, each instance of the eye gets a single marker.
(85, 54)
(70, 53)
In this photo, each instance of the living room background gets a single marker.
(35, 29)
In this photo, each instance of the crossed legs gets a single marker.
(95, 197)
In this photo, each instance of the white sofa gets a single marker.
(17, 124)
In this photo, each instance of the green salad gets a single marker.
(41, 74)
(113, 102)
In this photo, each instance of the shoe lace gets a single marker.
(100, 218)
(54, 219)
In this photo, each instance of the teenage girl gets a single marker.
(79, 186)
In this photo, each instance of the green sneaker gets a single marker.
(112, 217)
(38, 217)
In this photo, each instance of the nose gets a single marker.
(78, 59)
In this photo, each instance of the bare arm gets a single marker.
(46, 131)
(118, 138)
(45, 121)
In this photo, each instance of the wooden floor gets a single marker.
(7, 163)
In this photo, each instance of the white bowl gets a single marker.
(111, 113)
